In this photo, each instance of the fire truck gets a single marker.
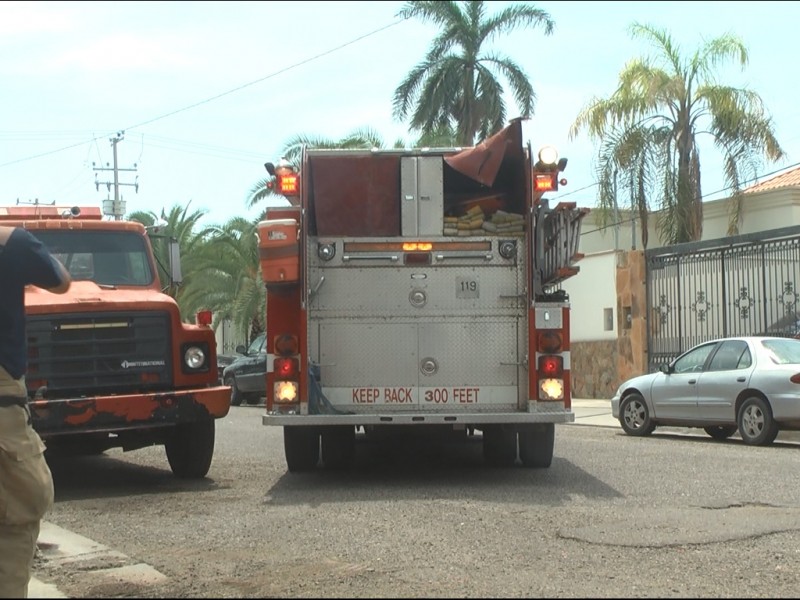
(110, 362)
(418, 290)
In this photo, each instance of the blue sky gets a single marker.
(206, 92)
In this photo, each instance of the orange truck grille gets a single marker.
(72, 355)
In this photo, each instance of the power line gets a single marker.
(217, 97)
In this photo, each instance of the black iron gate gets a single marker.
(742, 285)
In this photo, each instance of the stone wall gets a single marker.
(593, 369)
(597, 368)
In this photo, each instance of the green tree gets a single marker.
(227, 277)
(293, 149)
(456, 84)
(183, 226)
(650, 126)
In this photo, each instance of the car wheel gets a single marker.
(756, 425)
(236, 394)
(252, 399)
(635, 416)
(720, 432)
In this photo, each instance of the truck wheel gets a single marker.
(301, 446)
(536, 445)
(190, 448)
(499, 445)
(338, 446)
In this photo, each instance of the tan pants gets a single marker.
(26, 491)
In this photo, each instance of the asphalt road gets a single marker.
(673, 515)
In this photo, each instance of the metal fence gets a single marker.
(742, 285)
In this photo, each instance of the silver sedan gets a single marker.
(747, 383)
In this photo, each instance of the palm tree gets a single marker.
(227, 277)
(364, 137)
(649, 129)
(181, 225)
(456, 83)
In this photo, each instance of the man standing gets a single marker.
(26, 484)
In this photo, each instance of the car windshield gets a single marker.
(107, 258)
(783, 351)
(255, 345)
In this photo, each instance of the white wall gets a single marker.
(593, 289)
(226, 339)
(762, 211)
(593, 298)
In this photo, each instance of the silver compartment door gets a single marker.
(367, 364)
(469, 365)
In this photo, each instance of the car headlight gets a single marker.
(195, 357)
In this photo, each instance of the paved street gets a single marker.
(63, 547)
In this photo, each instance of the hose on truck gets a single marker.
(318, 403)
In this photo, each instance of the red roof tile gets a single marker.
(787, 179)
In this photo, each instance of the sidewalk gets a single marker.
(593, 412)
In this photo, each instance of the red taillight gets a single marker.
(550, 341)
(551, 366)
(203, 317)
(286, 368)
(286, 345)
(795, 378)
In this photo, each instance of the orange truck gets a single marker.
(111, 363)
(417, 291)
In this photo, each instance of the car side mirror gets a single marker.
(665, 369)
(240, 349)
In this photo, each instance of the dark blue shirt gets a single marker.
(24, 260)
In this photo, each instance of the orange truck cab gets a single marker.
(110, 362)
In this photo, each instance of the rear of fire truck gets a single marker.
(417, 290)
(110, 363)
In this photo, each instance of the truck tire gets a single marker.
(536, 445)
(190, 448)
(338, 446)
(301, 446)
(499, 445)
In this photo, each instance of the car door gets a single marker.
(728, 373)
(675, 394)
(251, 374)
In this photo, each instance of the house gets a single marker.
(609, 316)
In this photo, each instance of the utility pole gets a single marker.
(115, 207)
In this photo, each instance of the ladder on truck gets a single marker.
(557, 234)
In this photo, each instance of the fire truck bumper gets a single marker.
(454, 419)
(134, 411)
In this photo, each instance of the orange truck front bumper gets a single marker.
(131, 411)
